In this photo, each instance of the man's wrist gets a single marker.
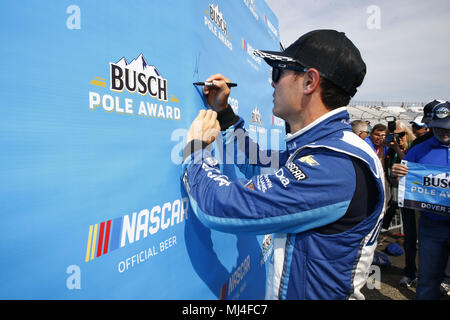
(193, 146)
(226, 118)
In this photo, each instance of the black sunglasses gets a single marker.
(277, 69)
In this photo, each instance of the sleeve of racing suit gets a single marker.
(239, 149)
(299, 196)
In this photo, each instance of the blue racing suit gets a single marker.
(311, 203)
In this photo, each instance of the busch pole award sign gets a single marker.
(425, 188)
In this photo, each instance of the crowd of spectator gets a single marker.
(424, 140)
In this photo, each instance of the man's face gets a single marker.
(377, 137)
(443, 135)
(286, 96)
(363, 134)
(419, 131)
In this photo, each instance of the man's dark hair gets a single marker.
(378, 126)
(332, 96)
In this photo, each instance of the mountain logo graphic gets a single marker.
(139, 64)
(256, 116)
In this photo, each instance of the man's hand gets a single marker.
(399, 170)
(217, 95)
(205, 127)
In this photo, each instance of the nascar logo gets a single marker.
(99, 241)
(116, 233)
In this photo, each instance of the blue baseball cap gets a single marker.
(440, 117)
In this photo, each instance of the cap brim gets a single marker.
(273, 56)
(440, 123)
(425, 119)
(418, 124)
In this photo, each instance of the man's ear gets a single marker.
(311, 81)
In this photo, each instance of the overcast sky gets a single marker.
(405, 44)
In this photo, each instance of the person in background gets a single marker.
(376, 140)
(398, 147)
(360, 128)
(419, 128)
(409, 216)
(434, 229)
(427, 115)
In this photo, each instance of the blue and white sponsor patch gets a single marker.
(296, 172)
(280, 175)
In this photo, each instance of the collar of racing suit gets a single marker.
(331, 122)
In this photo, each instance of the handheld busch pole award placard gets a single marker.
(425, 188)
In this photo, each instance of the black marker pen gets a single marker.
(210, 84)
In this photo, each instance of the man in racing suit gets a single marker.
(325, 202)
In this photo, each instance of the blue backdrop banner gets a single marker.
(97, 98)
